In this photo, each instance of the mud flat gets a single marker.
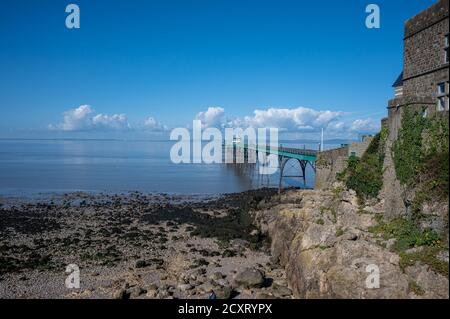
(137, 246)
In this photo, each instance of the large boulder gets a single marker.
(249, 278)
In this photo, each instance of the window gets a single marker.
(442, 96)
(441, 89)
(446, 49)
(441, 103)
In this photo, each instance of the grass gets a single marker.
(409, 235)
(415, 287)
(406, 232)
(339, 232)
(427, 256)
(320, 221)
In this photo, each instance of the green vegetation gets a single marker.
(415, 287)
(331, 211)
(421, 155)
(421, 161)
(337, 192)
(365, 175)
(408, 235)
(320, 221)
(426, 256)
(339, 232)
(34, 261)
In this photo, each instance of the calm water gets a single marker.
(40, 166)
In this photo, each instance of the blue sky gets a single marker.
(141, 67)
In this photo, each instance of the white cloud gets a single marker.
(336, 126)
(153, 125)
(212, 117)
(83, 118)
(365, 126)
(298, 119)
(114, 122)
(291, 120)
(75, 119)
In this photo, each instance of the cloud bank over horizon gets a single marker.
(291, 122)
(85, 119)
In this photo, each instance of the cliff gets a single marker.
(328, 244)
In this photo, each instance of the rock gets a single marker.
(151, 293)
(351, 235)
(137, 291)
(247, 292)
(432, 285)
(223, 292)
(264, 295)
(320, 264)
(197, 282)
(216, 276)
(254, 232)
(152, 287)
(152, 290)
(162, 293)
(185, 287)
(222, 282)
(121, 294)
(240, 242)
(273, 260)
(192, 275)
(249, 278)
(390, 243)
(281, 291)
(443, 256)
(228, 253)
(140, 264)
(205, 288)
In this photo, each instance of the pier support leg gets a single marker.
(282, 162)
(303, 167)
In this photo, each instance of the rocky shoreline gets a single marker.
(255, 244)
(137, 246)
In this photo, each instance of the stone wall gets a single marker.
(328, 164)
(424, 55)
(423, 68)
(359, 148)
(334, 161)
(426, 18)
(394, 195)
(425, 85)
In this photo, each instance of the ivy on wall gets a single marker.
(421, 154)
(365, 175)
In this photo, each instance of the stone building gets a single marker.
(424, 82)
(423, 86)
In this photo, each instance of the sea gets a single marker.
(29, 167)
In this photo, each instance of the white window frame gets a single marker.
(442, 96)
(446, 48)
